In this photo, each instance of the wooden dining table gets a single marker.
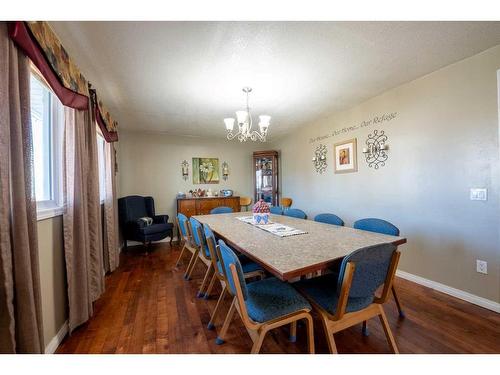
(297, 255)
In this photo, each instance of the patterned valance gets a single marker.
(67, 71)
(39, 42)
(108, 126)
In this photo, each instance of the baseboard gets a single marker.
(460, 294)
(57, 339)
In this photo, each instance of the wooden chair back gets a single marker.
(245, 201)
(347, 275)
(286, 202)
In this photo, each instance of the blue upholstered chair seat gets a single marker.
(156, 228)
(323, 290)
(270, 298)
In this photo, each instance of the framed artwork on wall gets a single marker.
(205, 170)
(345, 156)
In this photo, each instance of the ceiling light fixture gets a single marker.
(244, 119)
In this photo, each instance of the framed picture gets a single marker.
(345, 156)
(205, 171)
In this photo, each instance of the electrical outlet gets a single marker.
(482, 266)
(478, 194)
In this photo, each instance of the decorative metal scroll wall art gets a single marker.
(185, 170)
(376, 150)
(319, 159)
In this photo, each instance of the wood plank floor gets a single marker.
(149, 308)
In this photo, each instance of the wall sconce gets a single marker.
(225, 171)
(185, 170)
(319, 158)
(375, 152)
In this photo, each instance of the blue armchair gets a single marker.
(134, 212)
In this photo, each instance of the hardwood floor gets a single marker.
(149, 308)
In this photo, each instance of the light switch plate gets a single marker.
(478, 194)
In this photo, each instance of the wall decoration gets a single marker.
(376, 120)
(375, 152)
(185, 170)
(205, 171)
(319, 158)
(344, 154)
(225, 171)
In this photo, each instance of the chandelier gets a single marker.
(245, 123)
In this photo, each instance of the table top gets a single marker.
(289, 257)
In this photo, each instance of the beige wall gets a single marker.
(443, 141)
(150, 164)
(52, 276)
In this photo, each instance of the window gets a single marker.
(101, 144)
(47, 118)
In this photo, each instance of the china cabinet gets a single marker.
(266, 177)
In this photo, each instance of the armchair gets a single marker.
(134, 207)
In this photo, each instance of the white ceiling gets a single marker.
(185, 77)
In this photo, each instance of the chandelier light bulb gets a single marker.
(229, 123)
(242, 116)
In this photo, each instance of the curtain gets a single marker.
(82, 217)
(111, 242)
(21, 328)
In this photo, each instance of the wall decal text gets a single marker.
(377, 120)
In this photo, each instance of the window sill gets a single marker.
(47, 213)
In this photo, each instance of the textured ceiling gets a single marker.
(185, 77)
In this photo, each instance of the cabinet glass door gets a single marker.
(264, 179)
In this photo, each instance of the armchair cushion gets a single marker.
(155, 228)
(160, 219)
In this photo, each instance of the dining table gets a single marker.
(318, 247)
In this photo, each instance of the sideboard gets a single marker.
(203, 205)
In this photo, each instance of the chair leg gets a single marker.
(180, 256)
(400, 309)
(258, 343)
(387, 331)
(310, 334)
(293, 331)
(222, 334)
(211, 323)
(204, 282)
(329, 336)
(364, 330)
(210, 286)
(191, 265)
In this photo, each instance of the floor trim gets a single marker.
(472, 298)
(57, 339)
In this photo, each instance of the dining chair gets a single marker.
(350, 298)
(384, 227)
(221, 210)
(329, 219)
(262, 305)
(295, 212)
(245, 202)
(203, 253)
(250, 270)
(286, 203)
(184, 232)
(276, 210)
